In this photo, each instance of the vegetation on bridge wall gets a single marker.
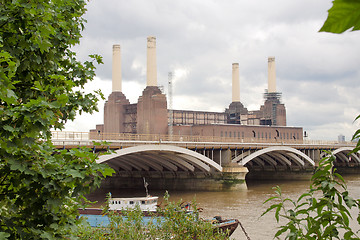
(233, 184)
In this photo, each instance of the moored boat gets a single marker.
(227, 226)
(96, 217)
(148, 205)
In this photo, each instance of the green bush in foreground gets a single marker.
(175, 224)
(321, 213)
(41, 88)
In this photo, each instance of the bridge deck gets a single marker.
(116, 141)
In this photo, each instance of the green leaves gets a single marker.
(40, 186)
(356, 137)
(344, 15)
(319, 213)
(7, 70)
(4, 235)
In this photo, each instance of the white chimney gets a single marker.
(151, 62)
(235, 83)
(116, 69)
(271, 75)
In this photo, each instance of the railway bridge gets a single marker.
(206, 163)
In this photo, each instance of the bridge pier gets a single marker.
(234, 176)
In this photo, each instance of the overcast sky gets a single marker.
(198, 40)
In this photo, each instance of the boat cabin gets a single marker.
(145, 203)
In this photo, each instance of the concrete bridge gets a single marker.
(206, 163)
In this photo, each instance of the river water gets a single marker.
(245, 205)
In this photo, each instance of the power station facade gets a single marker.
(150, 115)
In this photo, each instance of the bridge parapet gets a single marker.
(124, 139)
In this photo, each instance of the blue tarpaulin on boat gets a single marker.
(103, 220)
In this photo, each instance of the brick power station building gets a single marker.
(150, 115)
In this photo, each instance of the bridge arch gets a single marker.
(159, 157)
(276, 155)
(343, 155)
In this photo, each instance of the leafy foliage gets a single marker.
(343, 15)
(175, 223)
(41, 86)
(356, 137)
(321, 213)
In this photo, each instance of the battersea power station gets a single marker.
(151, 115)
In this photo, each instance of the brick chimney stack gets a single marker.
(151, 62)
(235, 83)
(116, 69)
(271, 75)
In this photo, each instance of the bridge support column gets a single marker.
(225, 157)
(222, 156)
(317, 156)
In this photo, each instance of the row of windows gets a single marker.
(119, 202)
(132, 202)
(232, 134)
(197, 118)
(261, 135)
(197, 121)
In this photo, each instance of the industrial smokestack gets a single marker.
(116, 69)
(271, 75)
(151, 62)
(235, 83)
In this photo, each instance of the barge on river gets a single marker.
(148, 206)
